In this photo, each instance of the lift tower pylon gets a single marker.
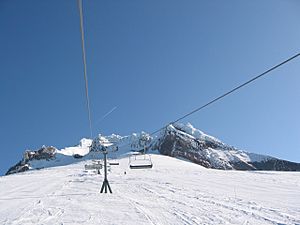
(105, 184)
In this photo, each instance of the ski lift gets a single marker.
(139, 160)
(114, 161)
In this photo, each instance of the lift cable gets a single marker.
(230, 92)
(225, 94)
(84, 64)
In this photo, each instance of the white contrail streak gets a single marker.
(107, 114)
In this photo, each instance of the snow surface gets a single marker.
(174, 191)
(81, 149)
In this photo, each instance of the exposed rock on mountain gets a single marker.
(187, 142)
(46, 153)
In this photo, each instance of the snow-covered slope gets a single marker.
(172, 192)
(177, 140)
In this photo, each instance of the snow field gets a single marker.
(172, 192)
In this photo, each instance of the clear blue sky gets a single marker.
(154, 60)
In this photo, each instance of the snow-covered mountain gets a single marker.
(176, 140)
(185, 141)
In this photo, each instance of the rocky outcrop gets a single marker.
(277, 165)
(46, 153)
(43, 153)
(212, 153)
(19, 167)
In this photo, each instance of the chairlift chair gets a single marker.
(114, 161)
(140, 161)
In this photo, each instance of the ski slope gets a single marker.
(174, 191)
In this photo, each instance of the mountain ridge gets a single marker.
(176, 140)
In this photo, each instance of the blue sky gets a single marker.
(154, 61)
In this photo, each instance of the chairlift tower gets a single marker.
(105, 183)
(104, 148)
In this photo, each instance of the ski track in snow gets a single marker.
(172, 192)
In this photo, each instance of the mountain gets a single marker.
(176, 140)
(185, 141)
(173, 192)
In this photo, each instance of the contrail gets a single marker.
(107, 114)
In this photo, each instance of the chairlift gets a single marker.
(140, 161)
(114, 161)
